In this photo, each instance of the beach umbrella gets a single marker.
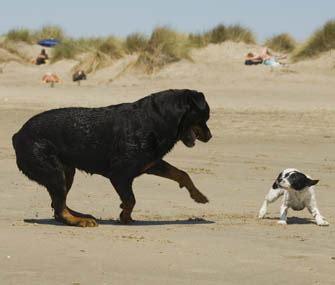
(48, 42)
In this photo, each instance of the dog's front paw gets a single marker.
(261, 214)
(322, 223)
(282, 222)
(125, 218)
(199, 197)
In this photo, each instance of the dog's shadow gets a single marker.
(190, 221)
(301, 221)
(294, 220)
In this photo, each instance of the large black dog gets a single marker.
(119, 142)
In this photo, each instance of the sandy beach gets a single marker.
(262, 120)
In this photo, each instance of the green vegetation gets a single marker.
(93, 61)
(198, 40)
(135, 42)
(235, 33)
(218, 34)
(23, 35)
(281, 43)
(50, 32)
(31, 37)
(165, 46)
(67, 49)
(112, 47)
(322, 40)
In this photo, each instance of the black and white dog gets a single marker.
(298, 192)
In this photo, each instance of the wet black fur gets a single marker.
(117, 142)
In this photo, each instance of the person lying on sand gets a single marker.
(252, 59)
(50, 77)
(265, 57)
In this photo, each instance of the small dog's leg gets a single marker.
(283, 215)
(164, 169)
(272, 196)
(313, 209)
(263, 209)
(320, 220)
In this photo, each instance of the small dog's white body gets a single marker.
(293, 198)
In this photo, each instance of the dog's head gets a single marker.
(193, 124)
(294, 179)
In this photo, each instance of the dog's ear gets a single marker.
(198, 99)
(299, 181)
(312, 182)
(275, 184)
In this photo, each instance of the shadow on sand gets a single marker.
(190, 221)
(294, 220)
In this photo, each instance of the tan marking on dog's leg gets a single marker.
(66, 216)
(166, 170)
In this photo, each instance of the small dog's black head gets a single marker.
(294, 179)
(193, 125)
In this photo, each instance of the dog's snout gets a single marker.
(208, 136)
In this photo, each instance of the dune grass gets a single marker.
(71, 48)
(23, 35)
(281, 43)
(165, 46)
(235, 33)
(197, 40)
(93, 61)
(28, 36)
(217, 35)
(50, 32)
(111, 46)
(238, 33)
(135, 42)
(321, 41)
(67, 49)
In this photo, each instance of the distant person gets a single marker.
(42, 58)
(252, 59)
(79, 75)
(51, 78)
(265, 57)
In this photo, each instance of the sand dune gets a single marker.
(262, 119)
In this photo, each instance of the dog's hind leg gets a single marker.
(272, 196)
(69, 173)
(39, 161)
(166, 170)
(124, 188)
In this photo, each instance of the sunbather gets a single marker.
(265, 57)
(42, 58)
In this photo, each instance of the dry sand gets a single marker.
(262, 121)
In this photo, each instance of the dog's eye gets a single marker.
(286, 175)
